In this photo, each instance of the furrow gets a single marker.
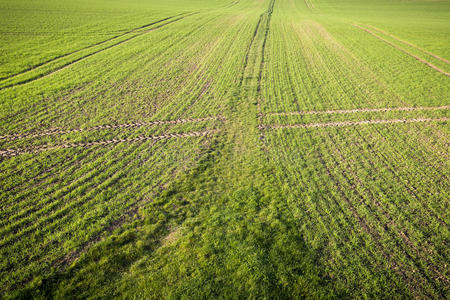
(261, 68)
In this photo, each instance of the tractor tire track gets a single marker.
(250, 46)
(356, 110)
(58, 131)
(353, 123)
(403, 50)
(15, 152)
(85, 178)
(69, 64)
(128, 215)
(263, 50)
(88, 47)
(409, 44)
(309, 4)
(261, 68)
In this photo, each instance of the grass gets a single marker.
(258, 208)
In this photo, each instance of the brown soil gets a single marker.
(15, 152)
(353, 123)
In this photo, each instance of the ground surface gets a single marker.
(241, 148)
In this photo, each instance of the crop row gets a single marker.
(325, 71)
(357, 134)
(60, 202)
(72, 203)
(64, 61)
(365, 178)
(161, 88)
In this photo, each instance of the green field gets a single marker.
(224, 149)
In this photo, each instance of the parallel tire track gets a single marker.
(66, 65)
(403, 50)
(309, 4)
(409, 44)
(87, 47)
(353, 123)
(15, 152)
(356, 110)
(263, 51)
(58, 131)
(261, 67)
(131, 211)
(250, 46)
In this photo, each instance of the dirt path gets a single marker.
(353, 123)
(58, 131)
(15, 152)
(356, 110)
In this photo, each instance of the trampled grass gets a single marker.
(224, 149)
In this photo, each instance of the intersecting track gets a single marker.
(347, 179)
(134, 33)
(413, 252)
(403, 50)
